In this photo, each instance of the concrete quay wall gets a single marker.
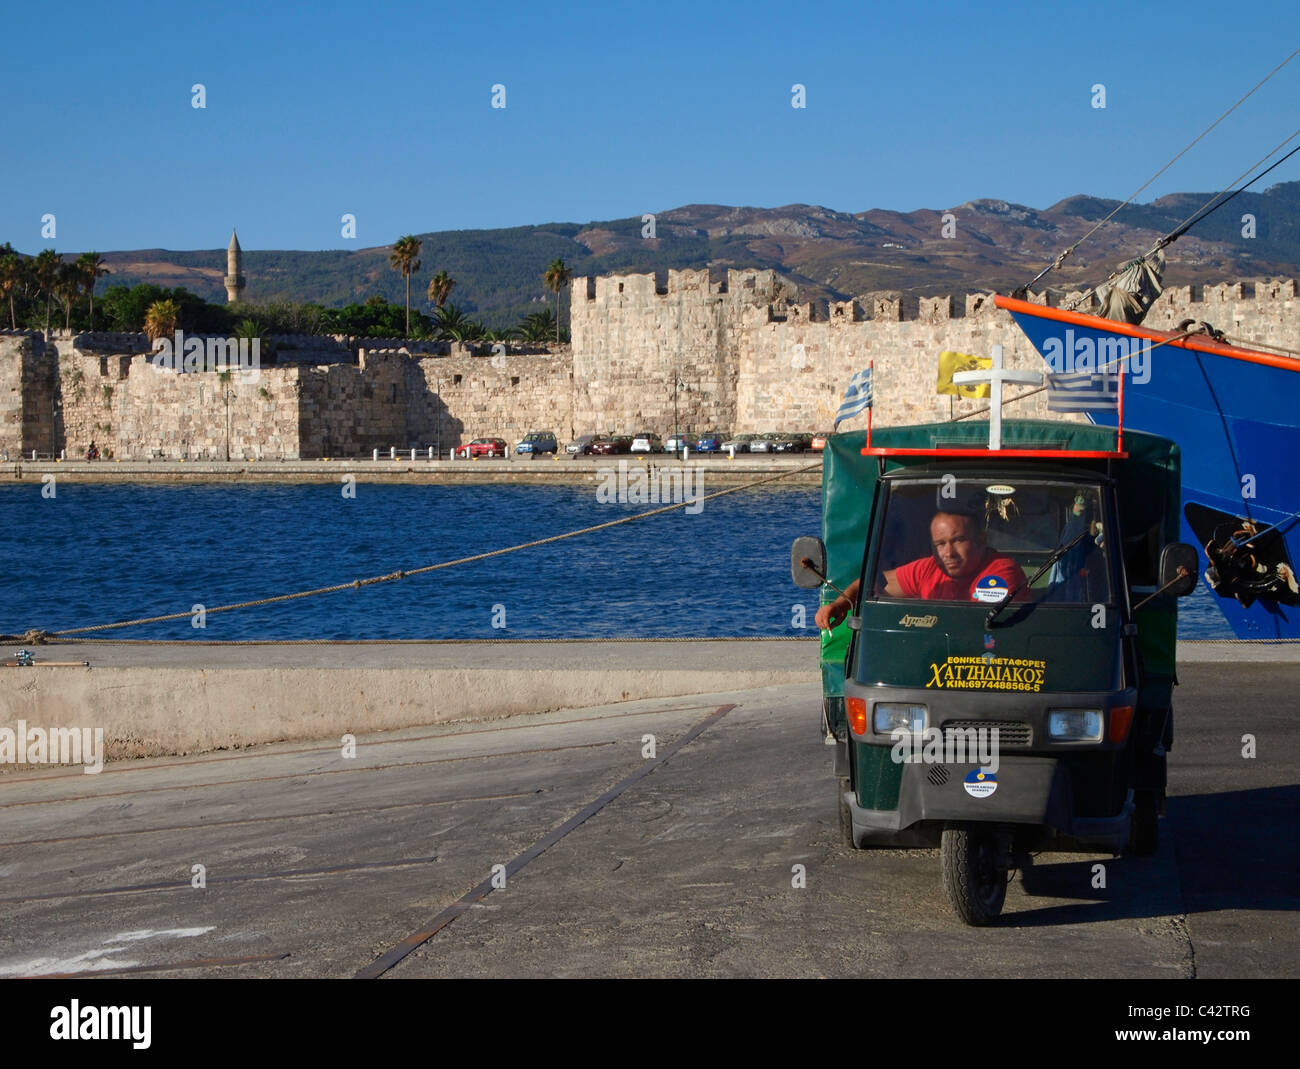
(705, 473)
(153, 700)
(188, 698)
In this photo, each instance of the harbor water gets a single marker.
(96, 554)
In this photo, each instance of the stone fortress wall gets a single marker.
(744, 353)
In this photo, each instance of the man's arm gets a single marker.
(831, 616)
(892, 587)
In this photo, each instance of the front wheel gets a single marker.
(1144, 832)
(975, 885)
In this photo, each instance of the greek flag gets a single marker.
(857, 398)
(1082, 392)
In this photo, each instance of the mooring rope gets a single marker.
(36, 636)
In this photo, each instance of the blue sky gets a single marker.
(384, 111)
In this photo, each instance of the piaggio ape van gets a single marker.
(1032, 711)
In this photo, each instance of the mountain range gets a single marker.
(979, 245)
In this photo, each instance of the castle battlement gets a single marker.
(765, 286)
(693, 350)
(748, 286)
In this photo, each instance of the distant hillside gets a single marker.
(828, 253)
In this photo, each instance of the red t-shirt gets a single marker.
(995, 578)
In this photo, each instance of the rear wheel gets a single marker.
(846, 815)
(975, 885)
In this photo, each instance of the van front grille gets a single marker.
(1010, 732)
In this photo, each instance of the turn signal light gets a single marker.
(1121, 719)
(857, 710)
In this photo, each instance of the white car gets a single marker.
(647, 443)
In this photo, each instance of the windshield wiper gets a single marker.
(1056, 555)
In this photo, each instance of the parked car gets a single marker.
(646, 442)
(740, 442)
(538, 442)
(484, 447)
(795, 442)
(614, 443)
(580, 446)
(709, 442)
(820, 439)
(677, 442)
(763, 443)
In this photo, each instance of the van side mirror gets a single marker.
(808, 562)
(1180, 566)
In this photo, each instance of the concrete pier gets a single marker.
(671, 837)
(155, 699)
(188, 697)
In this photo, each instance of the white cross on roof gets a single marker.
(995, 377)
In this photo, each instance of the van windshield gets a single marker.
(978, 539)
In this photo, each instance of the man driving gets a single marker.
(962, 567)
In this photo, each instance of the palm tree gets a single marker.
(13, 274)
(453, 324)
(160, 319)
(45, 271)
(440, 287)
(404, 258)
(537, 326)
(556, 278)
(67, 286)
(91, 266)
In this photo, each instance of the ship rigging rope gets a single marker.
(1118, 208)
(1209, 207)
(36, 635)
(1205, 210)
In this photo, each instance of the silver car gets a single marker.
(740, 442)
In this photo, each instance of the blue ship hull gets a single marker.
(1235, 416)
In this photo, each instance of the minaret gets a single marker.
(234, 280)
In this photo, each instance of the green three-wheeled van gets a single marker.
(1032, 710)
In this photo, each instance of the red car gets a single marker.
(484, 447)
(614, 444)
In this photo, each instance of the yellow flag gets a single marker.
(950, 363)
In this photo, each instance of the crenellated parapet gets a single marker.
(695, 350)
(758, 287)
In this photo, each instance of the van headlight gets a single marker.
(889, 717)
(1074, 725)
